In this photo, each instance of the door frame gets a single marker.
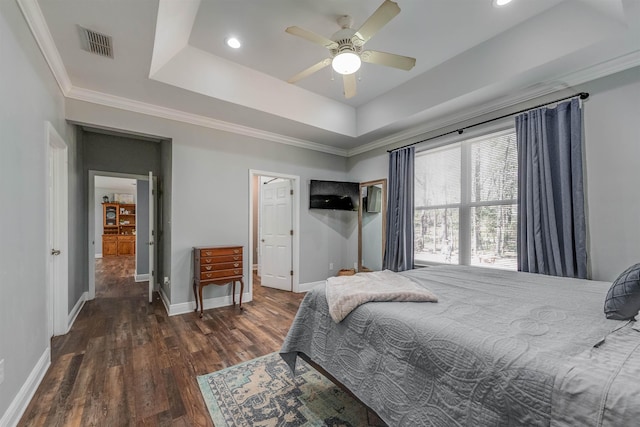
(295, 223)
(91, 224)
(57, 278)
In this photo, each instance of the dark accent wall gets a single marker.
(113, 152)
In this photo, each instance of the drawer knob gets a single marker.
(236, 264)
(235, 251)
(236, 271)
(235, 258)
(208, 267)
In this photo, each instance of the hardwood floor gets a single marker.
(125, 362)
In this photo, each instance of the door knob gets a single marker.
(151, 243)
(262, 240)
(55, 251)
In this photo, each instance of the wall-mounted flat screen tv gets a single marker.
(336, 195)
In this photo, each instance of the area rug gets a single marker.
(263, 392)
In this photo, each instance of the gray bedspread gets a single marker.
(499, 349)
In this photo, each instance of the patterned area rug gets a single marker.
(263, 392)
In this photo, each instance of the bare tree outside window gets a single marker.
(465, 194)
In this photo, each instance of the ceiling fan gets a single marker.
(346, 47)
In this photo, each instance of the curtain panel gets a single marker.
(398, 254)
(551, 202)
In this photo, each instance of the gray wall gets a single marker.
(163, 227)
(114, 153)
(612, 143)
(612, 150)
(142, 227)
(210, 192)
(29, 96)
(119, 153)
(78, 221)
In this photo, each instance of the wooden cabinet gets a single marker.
(127, 218)
(217, 265)
(109, 245)
(110, 218)
(126, 245)
(119, 225)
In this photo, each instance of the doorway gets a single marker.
(273, 229)
(121, 253)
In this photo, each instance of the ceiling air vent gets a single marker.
(97, 43)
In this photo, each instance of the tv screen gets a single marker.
(336, 195)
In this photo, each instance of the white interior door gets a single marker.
(276, 235)
(152, 237)
(57, 233)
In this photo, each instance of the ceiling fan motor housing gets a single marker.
(344, 39)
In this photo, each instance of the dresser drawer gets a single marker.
(221, 259)
(221, 266)
(221, 274)
(210, 252)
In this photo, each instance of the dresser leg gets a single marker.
(195, 294)
(241, 292)
(233, 293)
(200, 294)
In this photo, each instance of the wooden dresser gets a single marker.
(217, 265)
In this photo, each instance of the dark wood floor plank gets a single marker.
(151, 394)
(125, 362)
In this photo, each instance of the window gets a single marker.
(465, 202)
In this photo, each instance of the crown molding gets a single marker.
(40, 30)
(419, 131)
(35, 19)
(564, 81)
(127, 104)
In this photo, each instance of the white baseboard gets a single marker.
(189, 307)
(28, 389)
(165, 301)
(98, 256)
(141, 277)
(306, 287)
(76, 310)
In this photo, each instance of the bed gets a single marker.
(499, 348)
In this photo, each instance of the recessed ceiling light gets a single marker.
(499, 3)
(235, 43)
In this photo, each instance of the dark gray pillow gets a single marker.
(623, 298)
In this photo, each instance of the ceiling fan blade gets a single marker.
(312, 37)
(306, 73)
(388, 59)
(385, 13)
(349, 81)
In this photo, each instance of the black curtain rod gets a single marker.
(582, 95)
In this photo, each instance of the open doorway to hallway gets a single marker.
(121, 223)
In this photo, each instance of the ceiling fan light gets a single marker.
(499, 3)
(346, 63)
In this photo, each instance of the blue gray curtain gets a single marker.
(398, 254)
(551, 208)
